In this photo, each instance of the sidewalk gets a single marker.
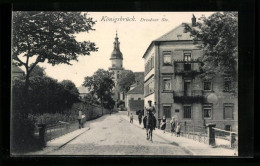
(195, 147)
(59, 142)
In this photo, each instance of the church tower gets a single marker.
(117, 67)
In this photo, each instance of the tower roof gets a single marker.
(116, 54)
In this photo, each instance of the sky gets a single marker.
(134, 37)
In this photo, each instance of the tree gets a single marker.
(101, 84)
(42, 36)
(90, 99)
(219, 34)
(70, 86)
(126, 80)
(38, 71)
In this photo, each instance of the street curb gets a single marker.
(186, 149)
(71, 139)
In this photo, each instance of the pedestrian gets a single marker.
(178, 129)
(172, 122)
(140, 117)
(163, 125)
(144, 121)
(131, 118)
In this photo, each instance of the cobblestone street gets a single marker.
(114, 135)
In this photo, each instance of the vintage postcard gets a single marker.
(124, 83)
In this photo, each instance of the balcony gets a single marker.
(187, 68)
(194, 96)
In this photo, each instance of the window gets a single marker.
(167, 84)
(207, 111)
(132, 98)
(177, 110)
(227, 84)
(151, 87)
(187, 56)
(139, 98)
(167, 59)
(152, 61)
(228, 127)
(167, 111)
(228, 110)
(187, 112)
(149, 65)
(207, 85)
(117, 76)
(113, 65)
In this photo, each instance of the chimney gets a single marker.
(193, 20)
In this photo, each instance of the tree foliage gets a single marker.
(90, 99)
(69, 86)
(219, 34)
(126, 80)
(49, 36)
(38, 71)
(47, 95)
(100, 83)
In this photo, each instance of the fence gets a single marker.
(197, 133)
(225, 138)
(209, 135)
(48, 132)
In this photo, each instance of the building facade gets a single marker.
(135, 96)
(17, 73)
(173, 84)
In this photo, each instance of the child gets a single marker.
(131, 118)
(163, 125)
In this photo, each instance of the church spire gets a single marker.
(116, 54)
(116, 43)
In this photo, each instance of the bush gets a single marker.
(22, 134)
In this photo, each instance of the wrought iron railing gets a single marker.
(195, 132)
(188, 96)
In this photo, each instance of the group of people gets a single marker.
(175, 126)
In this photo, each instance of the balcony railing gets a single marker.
(194, 96)
(187, 68)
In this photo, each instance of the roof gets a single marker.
(16, 69)
(83, 89)
(176, 34)
(139, 89)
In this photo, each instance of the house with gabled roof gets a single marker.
(135, 96)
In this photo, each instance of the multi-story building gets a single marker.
(172, 82)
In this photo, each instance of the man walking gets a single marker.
(140, 117)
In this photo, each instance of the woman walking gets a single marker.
(163, 125)
(172, 122)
